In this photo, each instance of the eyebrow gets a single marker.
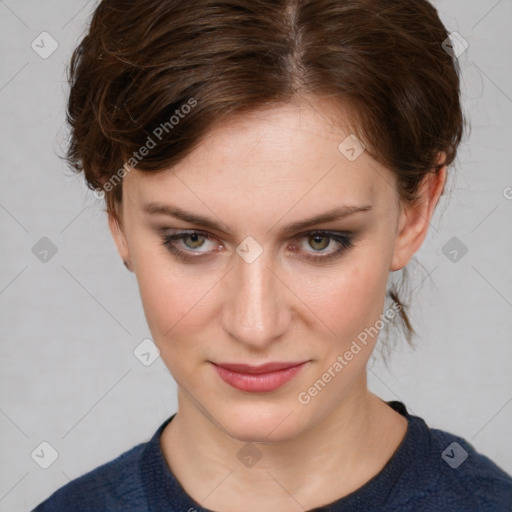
(329, 216)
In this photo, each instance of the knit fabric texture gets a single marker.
(431, 470)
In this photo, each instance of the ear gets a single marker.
(120, 240)
(415, 218)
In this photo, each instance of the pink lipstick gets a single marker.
(258, 379)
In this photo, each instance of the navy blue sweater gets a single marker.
(432, 470)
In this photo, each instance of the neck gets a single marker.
(334, 456)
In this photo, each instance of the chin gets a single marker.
(265, 423)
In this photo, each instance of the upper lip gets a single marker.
(264, 368)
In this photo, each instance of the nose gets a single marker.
(256, 311)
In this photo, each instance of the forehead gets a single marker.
(277, 137)
(273, 160)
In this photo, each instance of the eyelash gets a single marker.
(344, 240)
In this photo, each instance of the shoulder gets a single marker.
(113, 486)
(450, 474)
(471, 473)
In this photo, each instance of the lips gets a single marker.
(264, 368)
(258, 379)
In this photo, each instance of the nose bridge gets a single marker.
(256, 307)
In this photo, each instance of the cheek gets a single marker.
(349, 297)
(168, 292)
(168, 299)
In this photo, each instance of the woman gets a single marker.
(266, 165)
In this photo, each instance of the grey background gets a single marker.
(70, 325)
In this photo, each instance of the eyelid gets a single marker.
(343, 239)
(211, 236)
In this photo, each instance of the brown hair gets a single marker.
(166, 71)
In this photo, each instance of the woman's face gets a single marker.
(255, 289)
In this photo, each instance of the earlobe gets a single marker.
(415, 219)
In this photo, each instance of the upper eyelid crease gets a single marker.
(178, 234)
(336, 214)
(342, 238)
(345, 242)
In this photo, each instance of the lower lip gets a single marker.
(258, 383)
